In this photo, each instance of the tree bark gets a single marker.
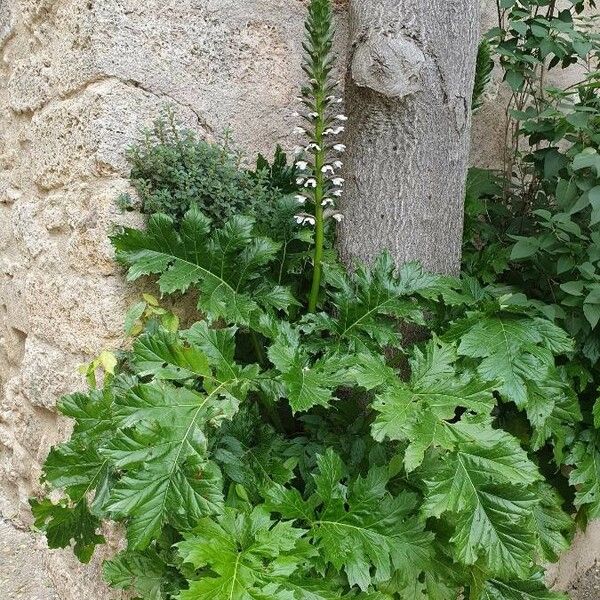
(408, 94)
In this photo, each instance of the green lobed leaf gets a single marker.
(65, 525)
(229, 266)
(421, 410)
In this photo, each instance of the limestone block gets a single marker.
(86, 136)
(6, 22)
(81, 314)
(58, 59)
(47, 373)
(235, 64)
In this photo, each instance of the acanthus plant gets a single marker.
(289, 450)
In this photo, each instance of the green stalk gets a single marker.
(319, 220)
(268, 406)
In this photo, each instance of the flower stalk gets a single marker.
(318, 161)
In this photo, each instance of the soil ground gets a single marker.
(588, 586)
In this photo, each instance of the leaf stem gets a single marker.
(268, 406)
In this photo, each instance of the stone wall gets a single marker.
(78, 81)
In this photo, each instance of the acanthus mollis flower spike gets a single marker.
(318, 96)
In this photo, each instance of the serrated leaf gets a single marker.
(143, 572)
(245, 556)
(75, 467)
(529, 589)
(510, 354)
(420, 411)
(167, 478)
(553, 525)
(308, 383)
(65, 525)
(360, 528)
(163, 356)
(369, 301)
(484, 487)
(585, 476)
(229, 266)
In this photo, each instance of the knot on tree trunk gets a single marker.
(389, 63)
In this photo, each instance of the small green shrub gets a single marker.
(172, 171)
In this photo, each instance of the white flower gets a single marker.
(301, 164)
(327, 169)
(339, 147)
(338, 130)
(327, 202)
(313, 115)
(334, 99)
(311, 183)
(341, 117)
(299, 180)
(338, 164)
(313, 146)
(304, 219)
(329, 131)
(338, 181)
(337, 193)
(300, 199)
(337, 216)
(299, 131)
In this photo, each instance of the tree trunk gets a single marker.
(409, 87)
